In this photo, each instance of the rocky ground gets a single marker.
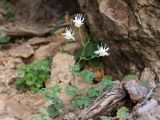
(23, 106)
(15, 105)
(31, 42)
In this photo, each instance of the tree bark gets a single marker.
(131, 28)
(106, 104)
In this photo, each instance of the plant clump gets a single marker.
(32, 76)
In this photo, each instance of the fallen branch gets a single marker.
(105, 104)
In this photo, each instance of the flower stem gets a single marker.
(82, 52)
(80, 35)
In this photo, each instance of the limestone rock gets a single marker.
(136, 92)
(149, 109)
(45, 51)
(24, 50)
(61, 75)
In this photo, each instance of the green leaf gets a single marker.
(107, 82)
(9, 16)
(90, 48)
(5, 4)
(88, 76)
(78, 54)
(94, 62)
(80, 102)
(130, 77)
(53, 109)
(72, 90)
(108, 77)
(4, 39)
(84, 102)
(145, 83)
(122, 113)
(51, 93)
(45, 114)
(38, 117)
(86, 52)
(56, 89)
(74, 102)
(94, 92)
(75, 69)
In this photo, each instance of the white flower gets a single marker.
(78, 20)
(69, 34)
(102, 51)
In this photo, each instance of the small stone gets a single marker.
(24, 50)
(150, 110)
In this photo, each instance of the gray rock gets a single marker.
(136, 92)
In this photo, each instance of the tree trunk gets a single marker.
(106, 104)
(131, 28)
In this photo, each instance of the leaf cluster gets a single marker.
(86, 54)
(130, 77)
(51, 95)
(5, 4)
(94, 91)
(122, 114)
(87, 75)
(9, 15)
(44, 115)
(32, 76)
